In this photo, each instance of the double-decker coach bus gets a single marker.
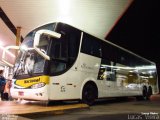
(59, 62)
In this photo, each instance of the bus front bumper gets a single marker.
(30, 94)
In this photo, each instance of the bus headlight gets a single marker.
(38, 85)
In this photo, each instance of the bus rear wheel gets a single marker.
(89, 94)
(150, 92)
(144, 94)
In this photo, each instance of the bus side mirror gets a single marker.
(4, 54)
(37, 39)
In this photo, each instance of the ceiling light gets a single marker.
(1, 43)
(8, 52)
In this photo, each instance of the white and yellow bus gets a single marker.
(59, 62)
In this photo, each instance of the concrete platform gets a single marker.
(24, 107)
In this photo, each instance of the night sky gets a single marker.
(139, 30)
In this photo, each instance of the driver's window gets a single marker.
(59, 53)
(59, 48)
(56, 51)
(44, 43)
(57, 67)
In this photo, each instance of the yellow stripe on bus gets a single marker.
(31, 81)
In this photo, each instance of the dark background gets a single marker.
(139, 30)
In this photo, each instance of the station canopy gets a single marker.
(96, 17)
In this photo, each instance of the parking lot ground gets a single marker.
(109, 110)
(113, 109)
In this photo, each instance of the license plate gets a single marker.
(20, 93)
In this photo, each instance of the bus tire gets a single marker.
(89, 94)
(149, 92)
(144, 93)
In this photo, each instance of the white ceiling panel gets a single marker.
(93, 16)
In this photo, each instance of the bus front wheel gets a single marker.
(89, 94)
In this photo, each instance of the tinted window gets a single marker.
(91, 45)
(64, 51)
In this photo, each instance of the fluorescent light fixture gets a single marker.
(8, 52)
(1, 43)
(130, 68)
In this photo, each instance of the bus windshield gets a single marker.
(29, 62)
